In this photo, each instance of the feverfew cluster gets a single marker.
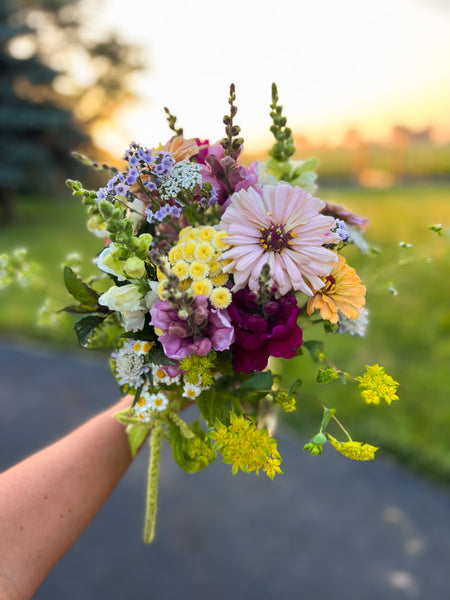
(196, 260)
(210, 268)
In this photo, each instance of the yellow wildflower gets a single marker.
(184, 232)
(189, 247)
(219, 242)
(220, 297)
(246, 447)
(201, 287)
(220, 279)
(204, 252)
(354, 450)
(206, 233)
(376, 385)
(198, 270)
(181, 269)
(192, 234)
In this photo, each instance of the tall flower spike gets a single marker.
(231, 144)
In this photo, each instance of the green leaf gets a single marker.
(86, 326)
(80, 290)
(294, 387)
(319, 438)
(157, 356)
(259, 382)
(326, 418)
(211, 405)
(308, 165)
(136, 436)
(314, 347)
(192, 454)
(137, 395)
(79, 309)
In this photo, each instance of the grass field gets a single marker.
(409, 332)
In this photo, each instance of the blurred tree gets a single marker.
(59, 81)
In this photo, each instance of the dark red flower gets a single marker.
(263, 330)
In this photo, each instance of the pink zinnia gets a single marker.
(283, 228)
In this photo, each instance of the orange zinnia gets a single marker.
(181, 149)
(342, 291)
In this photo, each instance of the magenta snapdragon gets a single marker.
(203, 330)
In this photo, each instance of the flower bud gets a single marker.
(135, 267)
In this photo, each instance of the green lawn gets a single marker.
(409, 333)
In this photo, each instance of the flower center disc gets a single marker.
(275, 238)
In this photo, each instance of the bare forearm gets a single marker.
(47, 500)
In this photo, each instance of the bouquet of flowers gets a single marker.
(207, 265)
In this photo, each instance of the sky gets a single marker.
(337, 65)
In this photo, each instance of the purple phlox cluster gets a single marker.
(226, 175)
(263, 330)
(341, 230)
(205, 329)
(167, 210)
(164, 163)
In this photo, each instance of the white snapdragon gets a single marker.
(101, 265)
(129, 302)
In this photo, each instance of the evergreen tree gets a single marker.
(35, 133)
(45, 113)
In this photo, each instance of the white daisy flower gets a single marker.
(191, 391)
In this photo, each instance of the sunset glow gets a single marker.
(337, 65)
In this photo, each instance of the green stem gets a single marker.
(152, 484)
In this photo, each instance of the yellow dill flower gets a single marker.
(185, 284)
(198, 270)
(199, 369)
(181, 269)
(189, 248)
(220, 297)
(204, 252)
(219, 242)
(206, 233)
(246, 447)
(158, 331)
(220, 279)
(376, 385)
(354, 450)
(286, 401)
(201, 287)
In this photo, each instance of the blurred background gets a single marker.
(366, 90)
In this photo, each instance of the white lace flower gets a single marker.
(130, 366)
(184, 177)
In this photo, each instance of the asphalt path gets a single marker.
(328, 528)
